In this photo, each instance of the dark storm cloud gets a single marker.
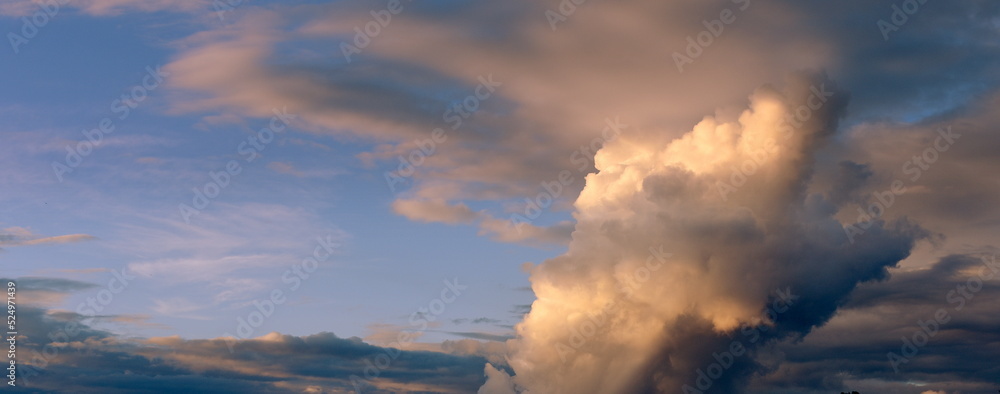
(879, 315)
(941, 56)
(59, 352)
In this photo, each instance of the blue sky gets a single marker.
(126, 194)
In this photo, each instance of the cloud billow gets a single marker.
(730, 254)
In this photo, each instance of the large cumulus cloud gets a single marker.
(729, 200)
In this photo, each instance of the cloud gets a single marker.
(45, 292)
(194, 269)
(497, 382)
(483, 336)
(114, 7)
(731, 254)
(284, 168)
(878, 314)
(19, 236)
(61, 239)
(529, 143)
(558, 87)
(514, 231)
(498, 229)
(229, 256)
(288, 168)
(19, 8)
(493, 351)
(946, 192)
(434, 211)
(87, 360)
(80, 270)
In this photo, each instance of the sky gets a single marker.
(734, 196)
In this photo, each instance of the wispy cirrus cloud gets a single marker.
(20, 236)
(105, 7)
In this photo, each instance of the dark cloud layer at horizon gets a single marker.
(62, 353)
